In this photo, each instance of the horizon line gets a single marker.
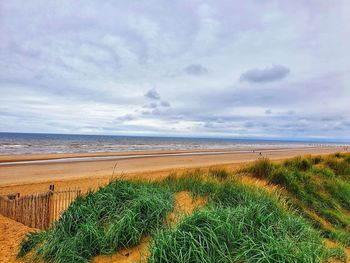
(247, 138)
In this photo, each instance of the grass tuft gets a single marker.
(321, 184)
(218, 173)
(239, 225)
(262, 168)
(103, 222)
(298, 163)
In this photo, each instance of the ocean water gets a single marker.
(20, 143)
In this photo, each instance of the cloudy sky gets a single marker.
(228, 68)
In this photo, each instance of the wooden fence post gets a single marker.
(38, 210)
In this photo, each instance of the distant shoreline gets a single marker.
(16, 159)
(249, 139)
(20, 144)
(36, 176)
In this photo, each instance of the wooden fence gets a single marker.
(38, 210)
(61, 200)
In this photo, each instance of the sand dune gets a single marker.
(92, 173)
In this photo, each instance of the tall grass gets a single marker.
(239, 225)
(219, 173)
(339, 165)
(318, 183)
(198, 182)
(262, 168)
(114, 217)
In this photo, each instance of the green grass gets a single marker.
(340, 166)
(238, 224)
(321, 184)
(114, 217)
(198, 182)
(262, 168)
(219, 173)
(340, 235)
(299, 163)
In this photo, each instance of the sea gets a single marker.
(31, 143)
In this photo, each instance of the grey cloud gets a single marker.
(249, 124)
(152, 105)
(196, 69)
(163, 113)
(127, 117)
(346, 123)
(152, 94)
(165, 104)
(146, 112)
(274, 73)
(327, 119)
(85, 64)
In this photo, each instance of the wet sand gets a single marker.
(90, 172)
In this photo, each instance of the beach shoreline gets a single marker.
(91, 173)
(9, 158)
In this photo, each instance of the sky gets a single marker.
(228, 68)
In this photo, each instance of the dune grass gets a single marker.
(238, 224)
(114, 217)
(318, 183)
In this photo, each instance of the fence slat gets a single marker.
(38, 210)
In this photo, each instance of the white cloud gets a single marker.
(73, 67)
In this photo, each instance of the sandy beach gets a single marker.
(86, 170)
(176, 132)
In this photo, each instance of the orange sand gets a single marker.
(28, 178)
(11, 234)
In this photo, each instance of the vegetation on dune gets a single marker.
(197, 182)
(321, 184)
(238, 224)
(114, 217)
